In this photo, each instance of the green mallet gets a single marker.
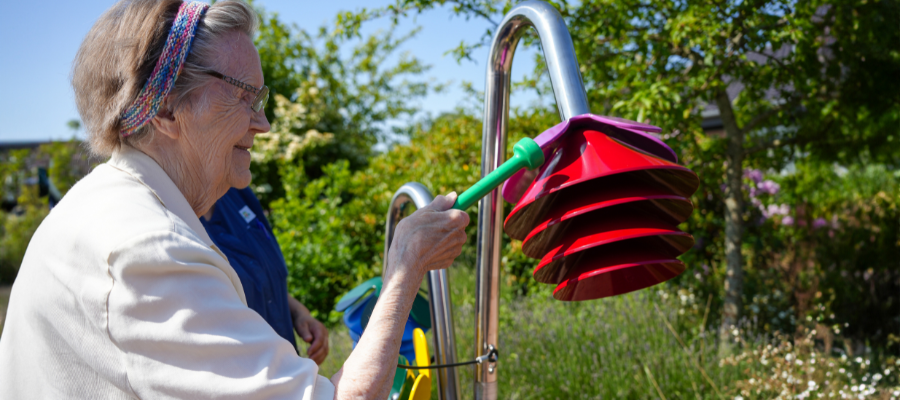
(526, 154)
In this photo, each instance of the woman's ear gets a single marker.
(164, 122)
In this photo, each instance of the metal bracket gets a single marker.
(492, 356)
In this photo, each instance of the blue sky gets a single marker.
(38, 42)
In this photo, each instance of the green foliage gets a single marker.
(796, 274)
(66, 163)
(17, 230)
(327, 236)
(812, 83)
(825, 68)
(325, 95)
(834, 255)
(331, 229)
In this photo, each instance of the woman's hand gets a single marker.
(431, 238)
(310, 330)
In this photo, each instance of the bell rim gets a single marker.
(586, 276)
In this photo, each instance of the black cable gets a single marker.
(438, 366)
(491, 356)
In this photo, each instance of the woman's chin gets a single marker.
(241, 179)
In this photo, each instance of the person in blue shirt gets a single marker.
(238, 227)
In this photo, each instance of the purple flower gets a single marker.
(784, 209)
(769, 187)
(819, 223)
(788, 220)
(775, 209)
(754, 175)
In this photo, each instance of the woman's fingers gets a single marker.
(320, 340)
(301, 325)
(318, 356)
(432, 237)
(442, 258)
(442, 203)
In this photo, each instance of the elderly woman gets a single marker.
(122, 294)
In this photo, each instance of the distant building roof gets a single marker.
(15, 145)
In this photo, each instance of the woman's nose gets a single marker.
(259, 123)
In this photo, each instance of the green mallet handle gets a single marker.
(526, 154)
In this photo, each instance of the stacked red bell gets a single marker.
(602, 214)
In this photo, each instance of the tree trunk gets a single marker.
(734, 274)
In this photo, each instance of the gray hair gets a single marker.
(120, 51)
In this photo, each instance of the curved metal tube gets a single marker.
(571, 100)
(438, 291)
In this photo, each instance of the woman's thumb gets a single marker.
(443, 203)
(303, 332)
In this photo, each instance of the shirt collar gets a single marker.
(147, 171)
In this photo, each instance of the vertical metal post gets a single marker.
(438, 292)
(571, 100)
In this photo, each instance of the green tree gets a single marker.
(331, 229)
(788, 79)
(66, 163)
(332, 103)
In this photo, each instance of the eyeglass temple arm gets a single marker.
(233, 81)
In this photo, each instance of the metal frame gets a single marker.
(571, 100)
(438, 291)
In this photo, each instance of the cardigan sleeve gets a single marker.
(184, 333)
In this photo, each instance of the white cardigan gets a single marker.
(123, 295)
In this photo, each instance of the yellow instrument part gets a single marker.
(422, 359)
(421, 390)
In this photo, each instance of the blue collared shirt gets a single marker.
(243, 233)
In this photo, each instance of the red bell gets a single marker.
(631, 132)
(602, 216)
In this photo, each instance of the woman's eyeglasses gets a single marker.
(262, 94)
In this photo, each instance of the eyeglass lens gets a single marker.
(261, 99)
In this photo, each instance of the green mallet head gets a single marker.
(529, 151)
(526, 154)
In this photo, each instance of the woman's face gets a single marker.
(219, 126)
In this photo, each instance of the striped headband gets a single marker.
(168, 67)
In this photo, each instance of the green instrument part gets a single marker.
(407, 386)
(358, 292)
(421, 312)
(526, 154)
(399, 377)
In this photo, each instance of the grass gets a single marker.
(646, 345)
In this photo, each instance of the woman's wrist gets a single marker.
(297, 309)
(402, 267)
